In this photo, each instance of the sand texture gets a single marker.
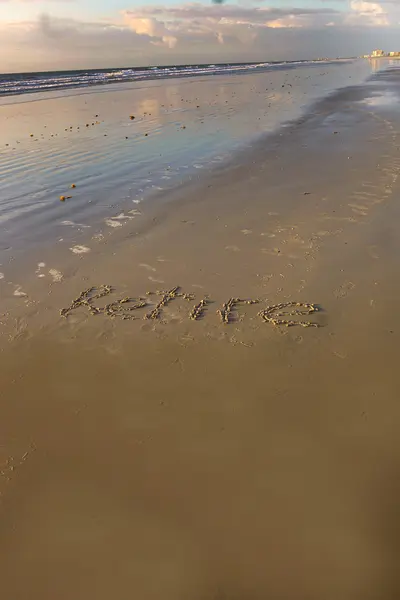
(205, 405)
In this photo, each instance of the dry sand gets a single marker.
(173, 459)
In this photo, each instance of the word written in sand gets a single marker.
(124, 308)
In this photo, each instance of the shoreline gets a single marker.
(121, 199)
(171, 73)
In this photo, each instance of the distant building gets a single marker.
(379, 54)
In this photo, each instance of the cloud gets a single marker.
(285, 22)
(51, 43)
(151, 28)
(195, 32)
(252, 15)
(367, 13)
(218, 22)
(243, 23)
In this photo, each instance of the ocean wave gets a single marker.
(28, 83)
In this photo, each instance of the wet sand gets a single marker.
(181, 127)
(168, 458)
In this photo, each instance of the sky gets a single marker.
(38, 35)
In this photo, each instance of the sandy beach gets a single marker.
(203, 402)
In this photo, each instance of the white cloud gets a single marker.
(152, 28)
(202, 22)
(367, 13)
(289, 21)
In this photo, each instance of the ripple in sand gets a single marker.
(148, 267)
(344, 289)
(19, 292)
(38, 271)
(73, 224)
(271, 251)
(373, 251)
(123, 217)
(323, 233)
(112, 223)
(80, 249)
(359, 209)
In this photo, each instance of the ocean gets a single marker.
(27, 83)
